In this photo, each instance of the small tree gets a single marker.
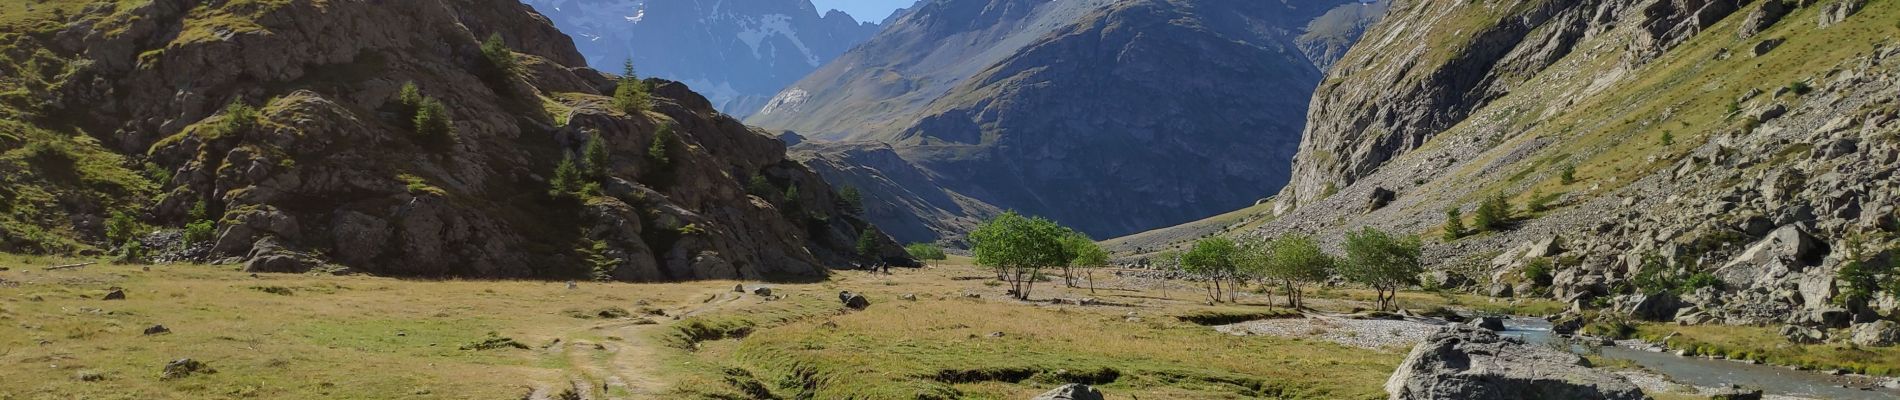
(198, 211)
(409, 99)
(200, 231)
(1297, 261)
(594, 158)
(853, 201)
(1215, 259)
(1019, 248)
(867, 243)
(133, 252)
(1668, 138)
(567, 179)
(759, 186)
(1493, 215)
(1383, 262)
(662, 142)
(1088, 257)
(600, 264)
(432, 120)
(1569, 175)
(1454, 224)
(630, 94)
(121, 227)
(500, 57)
(1075, 244)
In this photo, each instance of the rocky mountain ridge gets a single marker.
(280, 124)
(1698, 162)
(739, 53)
(1111, 116)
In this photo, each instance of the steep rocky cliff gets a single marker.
(1674, 160)
(739, 53)
(282, 124)
(1112, 116)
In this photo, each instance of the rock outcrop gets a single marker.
(1073, 391)
(1468, 363)
(286, 130)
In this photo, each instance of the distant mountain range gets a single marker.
(1112, 116)
(739, 53)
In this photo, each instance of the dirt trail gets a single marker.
(623, 366)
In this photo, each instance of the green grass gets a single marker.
(1765, 344)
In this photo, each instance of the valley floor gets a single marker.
(319, 336)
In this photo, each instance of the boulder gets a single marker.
(269, 255)
(1736, 393)
(157, 330)
(184, 367)
(1379, 198)
(1765, 14)
(1803, 335)
(1655, 307)
(762, 291)
(1073, 391)
(1499, 289)
(1788, 248)
(1475, 364)
(1881, 333)
(1494, 324)
(115, 294)
(853, 300)
(1839, 10)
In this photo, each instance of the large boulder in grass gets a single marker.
(853, 300)
(1073, 391)
(1468, 363)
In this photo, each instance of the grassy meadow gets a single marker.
(280, 336)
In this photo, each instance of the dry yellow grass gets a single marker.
(371, 338)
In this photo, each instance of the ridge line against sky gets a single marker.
(863, 10)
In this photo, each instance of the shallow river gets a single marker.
(1715, 373)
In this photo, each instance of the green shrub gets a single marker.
(594, 158)
(1569, 175)
(853, 200)
(501, 58)
(197, 212)
(1454, 224)
(657, 153)
(759, 186)
(1800, 88)
(1668, 138)
(630, 94)
(133, 252)
(158, 174)
(121, 227)
(925, 251)
(432, 120)
(600, 265)
(200, 231)
(567, 179)
(867, 242)
(1701, 280)
(1493, 215)
(409, 99)
(1538, 272)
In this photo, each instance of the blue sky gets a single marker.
(863, 10)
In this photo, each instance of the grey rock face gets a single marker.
(1881, 333)
(1475, 364)
(1073, 391)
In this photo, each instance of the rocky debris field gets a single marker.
(1369, 333)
